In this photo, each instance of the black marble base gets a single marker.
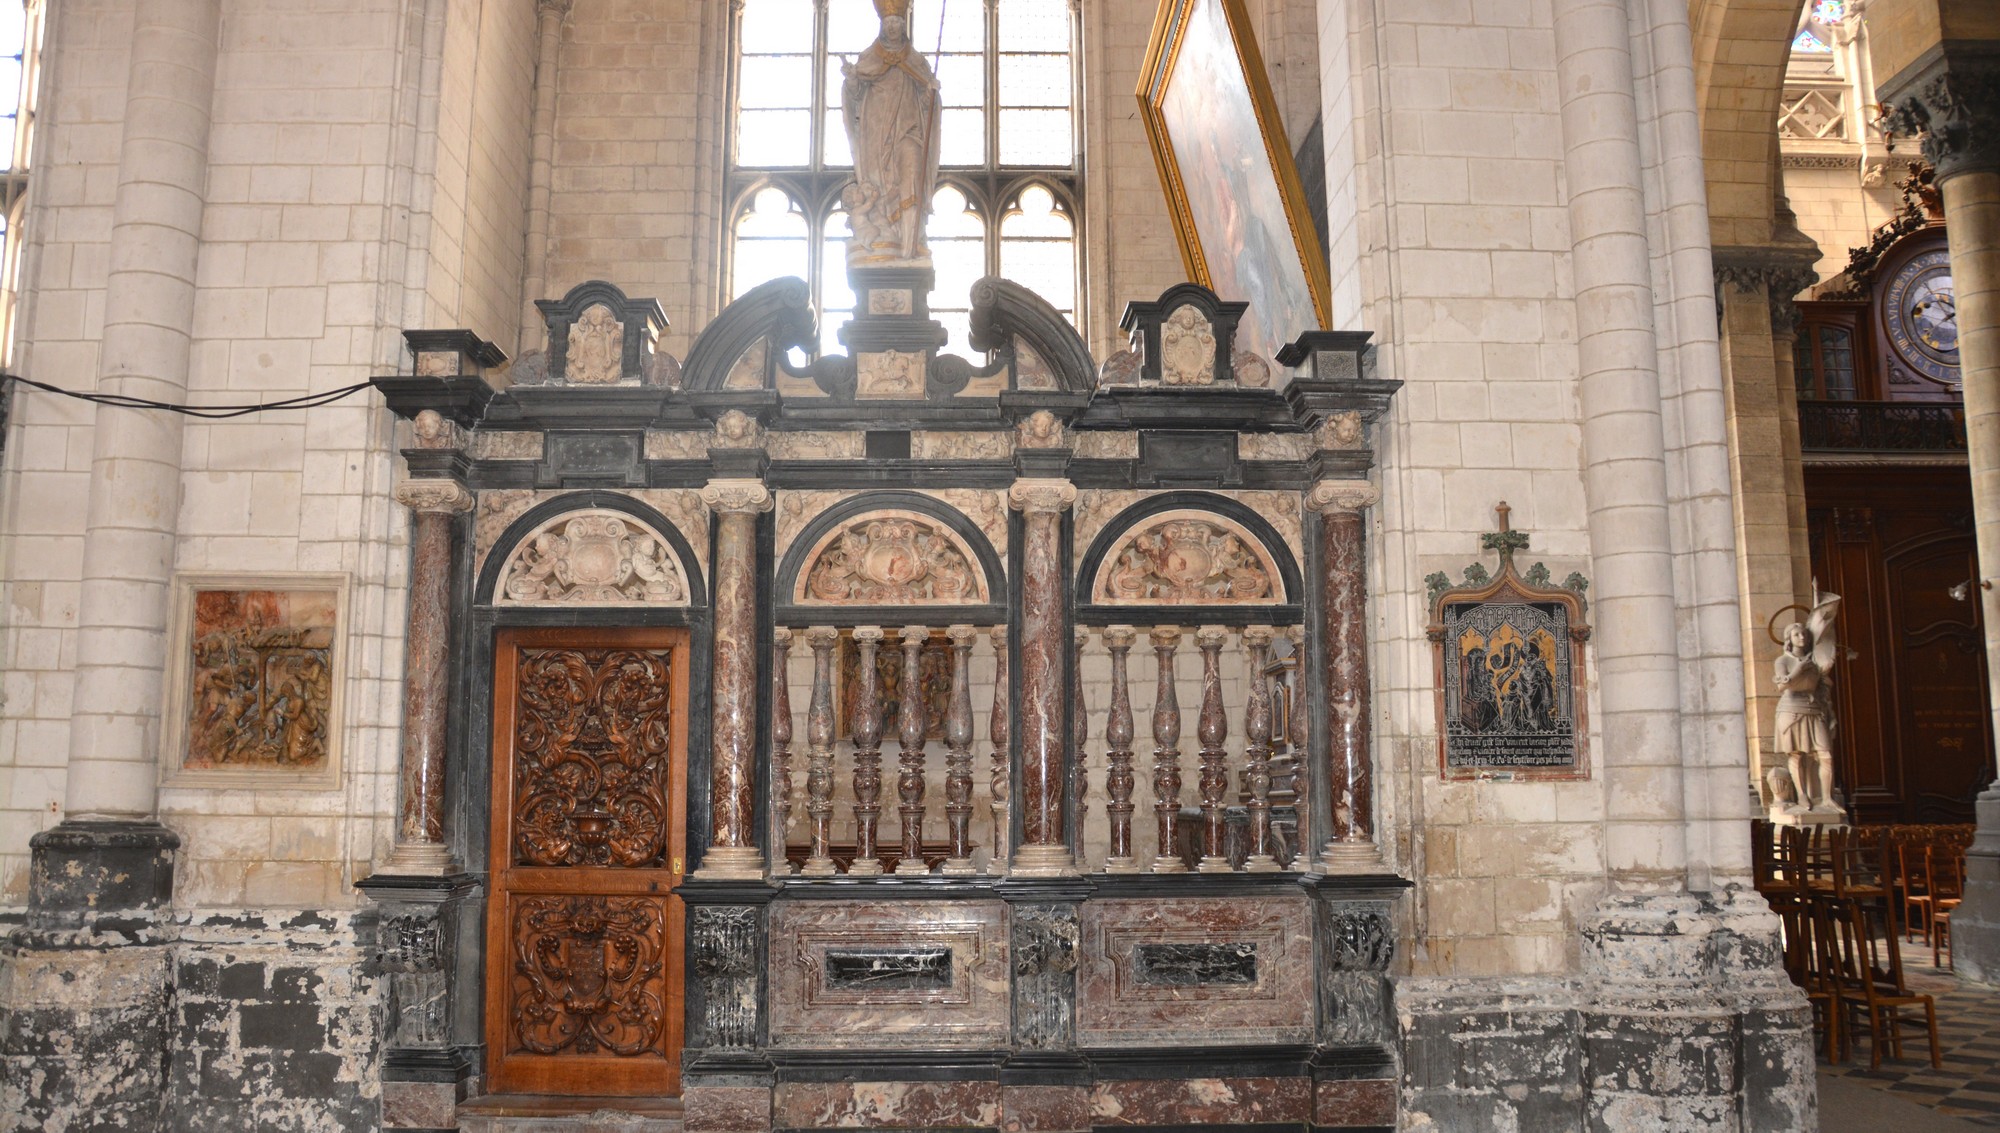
(109, 876)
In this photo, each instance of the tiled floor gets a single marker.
(1969, 1034)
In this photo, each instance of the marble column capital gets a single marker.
(961, 634)
(1119, 637)
(1780, 270)
(817, 636)
(1951, 96)
(1041, 496)
(434, 496)
(749, 496)
(1342, 496)
(1259, 635)
(1165, 637)
(556, 8)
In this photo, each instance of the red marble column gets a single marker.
(1166, 752)
(1043, 851)
(420, 847)
(1212, 729)
(910, 728)
(781, 747)
(958, 752)
(1257, 749)
(1351, 846)
(732, 853)
(1118, 732)
(819, 751)
(1000, 781)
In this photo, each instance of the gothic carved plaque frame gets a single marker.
(1208, 557)
(255, 680)
(1508, 658)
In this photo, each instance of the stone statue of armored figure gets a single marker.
(1804, 723)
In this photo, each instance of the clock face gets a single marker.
(1922, 317)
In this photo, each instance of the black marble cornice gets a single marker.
(1315, 400)
(861, 1063)
(1194, 1060)
(1355, 886)
(764, 405)
(574, 407)
(463, 400)
(805, 474)
(966, 414)
(1017, 405)
(888, 888)
(702, 891)
(1232, 409)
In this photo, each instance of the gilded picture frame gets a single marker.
(1228, 173)
(255, 681)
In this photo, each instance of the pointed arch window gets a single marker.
(1010, 173)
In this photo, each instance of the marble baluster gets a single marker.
(819, 751)
(910, 758)
(781, 747)
(1079, 733)
(1044, 849)
(732, 853)
(1351, 847)
(1298, 721)
(1257, 750)
(1212, 729)
(867, 731)
(958, 753)
(1167, 753)
(1000, 782)
(1118, 733)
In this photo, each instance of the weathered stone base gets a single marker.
(1975, 924)
(238, 1020)
(1681, 1020)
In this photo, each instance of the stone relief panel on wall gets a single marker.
(1188, 557)
(592, 558)
(256, 680)
(891, 558)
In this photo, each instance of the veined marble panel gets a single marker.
(961, 446)
(1196, 969)
(489, 445)
(814, 445)
(677, 444)
(825, 951)
(886, 1105)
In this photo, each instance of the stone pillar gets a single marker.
(549, 16)
(1952, 94)
(732, 853)
(1625, 476)
(420, 848)
(1043, 641)
(1350, 845)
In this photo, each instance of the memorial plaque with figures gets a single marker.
(1509, 667)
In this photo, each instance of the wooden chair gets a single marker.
(1944, 873)
(1807, 950)
(1910, 873)
(1866, 963)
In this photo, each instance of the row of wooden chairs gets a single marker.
(1930, 876)
(1839, 909)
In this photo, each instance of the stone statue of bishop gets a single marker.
(889, 99)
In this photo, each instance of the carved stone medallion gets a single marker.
(596, 348)
(1187, 557)
(592, 558)
(1187, 349)
(891, 558)
(890, 374)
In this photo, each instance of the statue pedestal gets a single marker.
(892, 336)
(1817, 816)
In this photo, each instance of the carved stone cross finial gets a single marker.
(1505, 540)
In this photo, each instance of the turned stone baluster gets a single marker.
(1257, 750)
(910, 734)
(819, 751)
(1079, 732)
(1212, 730)
(1118, 732)
(958, 753)
(1001, 782)
(781, 748)
(1298, 720)
(867, 754)
(1167, 753)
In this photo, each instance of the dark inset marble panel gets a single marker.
(1226, 1102)
(727, 1109)
(1209, 970)
(1363, 1103)
(889, 969)
(1046, 1109)
(1193, 965)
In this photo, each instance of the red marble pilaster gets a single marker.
(420, 845)
(733, 727)
(1341, 503)
(1041, 644)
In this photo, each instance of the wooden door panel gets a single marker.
(1939, 658)
(584, 935)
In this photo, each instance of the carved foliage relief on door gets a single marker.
(587, 974)
(592, 748)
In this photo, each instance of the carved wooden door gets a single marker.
(583, 961)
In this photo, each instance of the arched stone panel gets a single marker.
(887, 551)
(1189, 551)
(591, 550)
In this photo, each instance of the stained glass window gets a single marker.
(1830, 11)
(21, 28)
(1810, 44)
(1006, 202)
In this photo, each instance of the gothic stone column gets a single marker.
(732, 853)
(1350, 847)
(1952, 93)
(1043, 643)
(420, 848)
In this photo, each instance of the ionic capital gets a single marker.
(434, 496)
(822, 637)
(1258, 635)
(749, 496)
(1342, 496)
(1119, 637)
(1041, 496)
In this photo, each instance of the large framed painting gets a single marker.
(254, 681)
(1246, 231)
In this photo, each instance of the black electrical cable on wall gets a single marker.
(207, 412)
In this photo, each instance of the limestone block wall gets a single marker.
(1458, 220)
(1839, 211)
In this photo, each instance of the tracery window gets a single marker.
(20, 55)
(1007, 197)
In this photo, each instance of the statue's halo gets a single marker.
(1771, 627)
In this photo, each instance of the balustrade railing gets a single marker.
(835, 825)
(1880, 426)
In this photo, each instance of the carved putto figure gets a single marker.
(596, 348)
(890, 103)
(1187, 348)
(595, 559)
(1803, 719)
(892, 560)
(1186, 560)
